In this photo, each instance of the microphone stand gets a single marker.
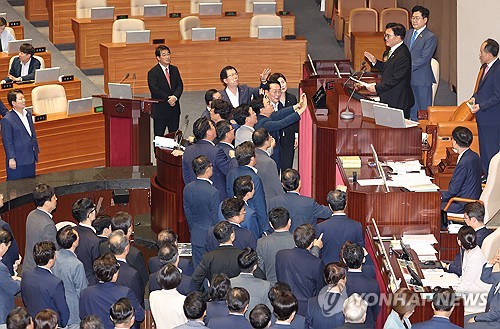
(347, 114)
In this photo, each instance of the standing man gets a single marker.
(234, 92)
(487, 103)
(422, 44)
(19, 138)
(395, 87)
(165, 83)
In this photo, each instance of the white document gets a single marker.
(364, 84)
(370, 182)
(411, 238)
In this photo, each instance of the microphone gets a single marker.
(347, 114)
(361, 69)
(133, 83)
(179, 137)
(124, 78)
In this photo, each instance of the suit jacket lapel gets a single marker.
(20, 123)
(489, 73)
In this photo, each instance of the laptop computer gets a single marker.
(202, 33)
(210, 8)
(102, 13)
(120, 90)
(261, 8)
(269, 32)
(155, 10)
(367, 107)
(50, 74)
(81, 105)
(391, 117)
(15, 44)
(141, 36)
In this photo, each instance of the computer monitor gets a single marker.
(102, 13)
(155, 10)
(202, 33)
(269, 32)
(15, 44)
(80, 105)
(264, 8)
(142, 36)
(120, 90)
(210, 8)
(50, 74)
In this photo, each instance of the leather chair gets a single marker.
(42, 61)
(11, 31)
(83, 7)
(396, 15)
(137, 6)
(380, 5)
(195, 8)
(187, 24)
(341, 15)
(490, 246)
(48, 99)
(435, 71)
(121, 26)
(360, 20)
(263, 20)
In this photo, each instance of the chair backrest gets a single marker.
(195, 8)
(83, 7)
(345, 6)
(49, 99)
(187, 24)
(121, 26)
(249, 6)
(491, 193)
(380, 5)
(491, 244)
(137, 6)
(363, 20)
(11, 31)
(262, 20)
(42, 61)
(394, 15)
(435, 71)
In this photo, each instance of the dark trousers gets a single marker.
(197, 254)
(423, 99)
(21, 171)
(489, 144)
(171, 122)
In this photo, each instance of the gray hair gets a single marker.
(355, 309)
(117, 242)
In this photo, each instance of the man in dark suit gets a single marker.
(486, 100)
(12, 254)
(279, 289)
(301, 270)
(165, 83)
(225, 136)
(422, 44)
(443, 304)
(84, 211)
(201, 201)
(205, 133)
(40, 288)
(23, 66)
(237, 302)
(235, 93)
(359, 283)
(102, 225)
(169, 237)
(195, 308)
(210, 96)
(302, 209)
(10, 284)
(395, 87)
(221, 260)
(355, 313)
(19, 138)
(339, 228)
(285, 308)
(466, 179)
(245, 155)
(97, 299)
(3, 109)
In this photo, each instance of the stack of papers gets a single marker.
(453, 228)
(404, 166)
(422, 245)
(350, 162)
(438, 277)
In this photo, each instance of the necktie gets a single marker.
(167, 74)
(389, 54)
(413, 38)
(486, 69)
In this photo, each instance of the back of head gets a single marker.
(279, 217)
(242, 186)
(222, 108)
(260, 316)
(333, 273)
(18, 318)
(241, 113)
(337, 200)
(290, 179)
(166, 236)
(353, 255)
(222, 128)
(284, 305)
(66, 236)
(304, 235)
(42, 193)
(194, 306)
(443, 300)
(476, 210)
(355, 309)
(168, 254)
(223, 231)
(101, 223)
(219, 287)
(247, 260)
(200, 128)
(467, 237)
(237, 300)
(82, 208)
(278, 288)
(260, 137)
(118, 242)
(232, 207)
(105, 267)
(404, 301)
(91, 322)
(169, 277)
(244, 153)
(43, 252)
(121, 221)
(462, 135)
(257, 103)
(121, 312)
(46, 319)
(209, 95)
(5, 236)
(200, 165)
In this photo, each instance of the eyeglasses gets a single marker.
(235, 74)
(387, 36)
(416, 18)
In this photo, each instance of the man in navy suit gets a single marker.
(466, 179)
(210, 96)
(19, 138)
(301, 270)
(205, 133)
(339, 228)
(201, 201)
(243, 189)
(165, 83)
(195, 308)
(245, 155)
(234, 92)
(357, 282)
(278, 289)
(487, 103)
(10, 285)
(285, 308)
(97, 299)
(395, 87)
(225, 136)
(23, 66)
(165, 237)
(422, 44)
(443, 304)
(40, 288)
(84, 211)
(260, 316)
(302, 209)
(237, 302)
(12, 254)
(355, 313)
(3, 109)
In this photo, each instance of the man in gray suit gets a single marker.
(267, 169)
(245, 116)
(70, 270)
(39, 224)
(195, 309)
(422, 44)
(257, 288)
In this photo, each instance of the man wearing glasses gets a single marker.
(234, 92)
(394, 88)
(422, 44)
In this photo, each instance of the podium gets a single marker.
(127, 130)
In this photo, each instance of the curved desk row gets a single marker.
(5, 59)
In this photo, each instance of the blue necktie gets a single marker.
(413, 38)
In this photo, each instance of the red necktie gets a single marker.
(167, 74)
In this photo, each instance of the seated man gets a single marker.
(466, 179)
(23, 67)
(443, 304)
(5, 36)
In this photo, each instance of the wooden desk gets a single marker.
(199, 62)
(67, 143)
(4, 62)
(62, 11)
(89, 34)
(372, 42)
(19, 31)
(36, 10)
(73, 90)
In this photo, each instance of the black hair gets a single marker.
(284, 305)
(278, 288)
(42, 193)
(260, 316)
(223, 231)
(244, 153)
(247, 260)
(194, 306)
(200, 128)
(219, 287)
(121, 221)
(398, 29)
(278, 217)
(168, 253)
(66, 236)
(200, 165)
(290, 179)
(82, 208)
(12, 96)
(222, 128)
(101, 222)
(241, 113)
(159, 49)
(304, 236)
(336, 199)
(5, 236)
(491, 47)
(209, 95)
(333, 273)
(27, 48)
(223, 108)
(242, 185)
(444, 299)
(117, 242)
(237, 299)
(43, 252)
(169, 277)
(475, 209)
(260, 137)
(462, 135)
(105, 267)
(91, 322)
(467, 237)
(424, 11)
(122, 311)
(18, 318)
(231, 207)
(353, 255)
(223, 72)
